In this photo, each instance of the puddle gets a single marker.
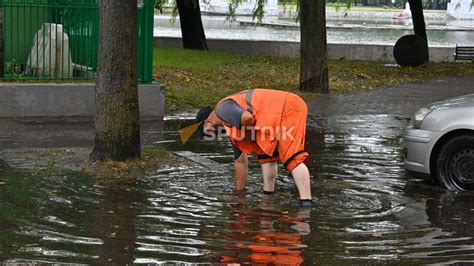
(368, 210)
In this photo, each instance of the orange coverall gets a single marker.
(280, 126)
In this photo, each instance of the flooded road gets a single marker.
(368, 209)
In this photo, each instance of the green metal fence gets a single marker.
(58, 39)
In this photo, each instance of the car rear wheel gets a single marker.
(455, 164)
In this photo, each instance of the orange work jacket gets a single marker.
(266, 106)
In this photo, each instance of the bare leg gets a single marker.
(241, 172)
(270, 172)
(301, 177)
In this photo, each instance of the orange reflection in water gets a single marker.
(265, 235)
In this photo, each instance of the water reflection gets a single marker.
(368, 210)
(352, 30)
(113, 221)
(47, 217)
(180, 201)
(448, 224)
(263, 235)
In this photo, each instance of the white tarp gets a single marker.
(50, 55)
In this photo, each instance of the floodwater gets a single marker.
(341, 30)
(368, 210)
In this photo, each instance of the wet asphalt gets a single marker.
(401, 100)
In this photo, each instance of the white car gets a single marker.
(439, 143)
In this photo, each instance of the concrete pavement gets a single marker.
(402, 100)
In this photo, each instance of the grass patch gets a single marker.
(195, 78)
(29, 80)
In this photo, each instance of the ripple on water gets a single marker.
(53, 236)
(171, 249)
(367, 212)
(56, 220)
(54, 253)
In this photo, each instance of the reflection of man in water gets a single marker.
(254, 239)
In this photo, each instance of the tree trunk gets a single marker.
(419, 27)
(416, 7)
(117, 122)
(191, 25)
(314, 58)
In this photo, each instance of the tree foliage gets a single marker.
(257, 13)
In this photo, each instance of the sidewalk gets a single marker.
(61, 132)
(402, 100)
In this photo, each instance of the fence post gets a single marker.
(148, 39)
(2, 57)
